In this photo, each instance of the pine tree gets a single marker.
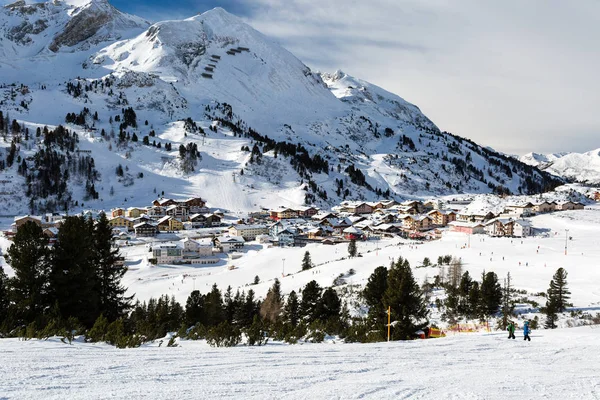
(213, 306)
(491, 294)
(29, 258)
(249, 310)
(306, 261)
(330, 305)
(558, 290)
(352, 248)
(474, 301)
(111, 294)
(551, 311)
(194, 308)
(228, 305)
(464, 288)
(311, 296)
(373, 294)
(74, 276)
(406, 300)
(291, 310)
(3, 295)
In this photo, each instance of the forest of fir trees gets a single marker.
(74, 288)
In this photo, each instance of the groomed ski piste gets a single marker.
(556, 364)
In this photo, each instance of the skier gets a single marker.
(526, 331)
(511, 330)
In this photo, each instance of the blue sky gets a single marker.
(515, 75)
(157, 10)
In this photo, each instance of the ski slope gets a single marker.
(559, 364)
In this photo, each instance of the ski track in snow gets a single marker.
(558, 364)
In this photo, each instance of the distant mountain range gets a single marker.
(578, 167)
(209, 106)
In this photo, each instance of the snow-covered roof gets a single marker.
(230, 239)
(353, 230)
(245, 227)
(465, 224)
(143, 224)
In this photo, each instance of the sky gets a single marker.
(518, 76)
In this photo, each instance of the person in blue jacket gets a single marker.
(526, 331)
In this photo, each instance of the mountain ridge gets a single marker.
(208, 104)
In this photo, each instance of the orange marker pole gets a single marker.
(389, 323)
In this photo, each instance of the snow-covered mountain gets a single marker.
(579, 167)
(209, 106)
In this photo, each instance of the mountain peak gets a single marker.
(95, 20)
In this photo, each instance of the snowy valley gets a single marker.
(188, 210)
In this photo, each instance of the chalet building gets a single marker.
(163, 224)
(417, 206)
(432, 205)
(286, 237)
(156, 212)
(193, 203)
(382, 204)
(227, 244)
(417, 222)
(522, 228)
(121, 222)
(145, 229)
(475, 217)
(198, 221)
(283, 213)
(520, 210)
(565, 205)
(248, 232)
(543, 207)
(51, 234)
(470, 228)
(167, 253)
(323, 216)
(213, 220)
(181, 213)
(164, 203)
(53, 218)
(353, 233)
(193, 248)
(135, 212)
(442, 217)
(306, 212)
(186, 251)
(142, 218)
(337, 225)
(358, 208)
(500, 227)
(277, 227)
(315, 233)
(117, 212)
(20, 221)
(385, 229)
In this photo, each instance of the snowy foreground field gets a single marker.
(559, 364)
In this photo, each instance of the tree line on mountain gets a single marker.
(75, 287)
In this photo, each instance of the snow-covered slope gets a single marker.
(253, 110)
(580, 167)
(558, 364)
